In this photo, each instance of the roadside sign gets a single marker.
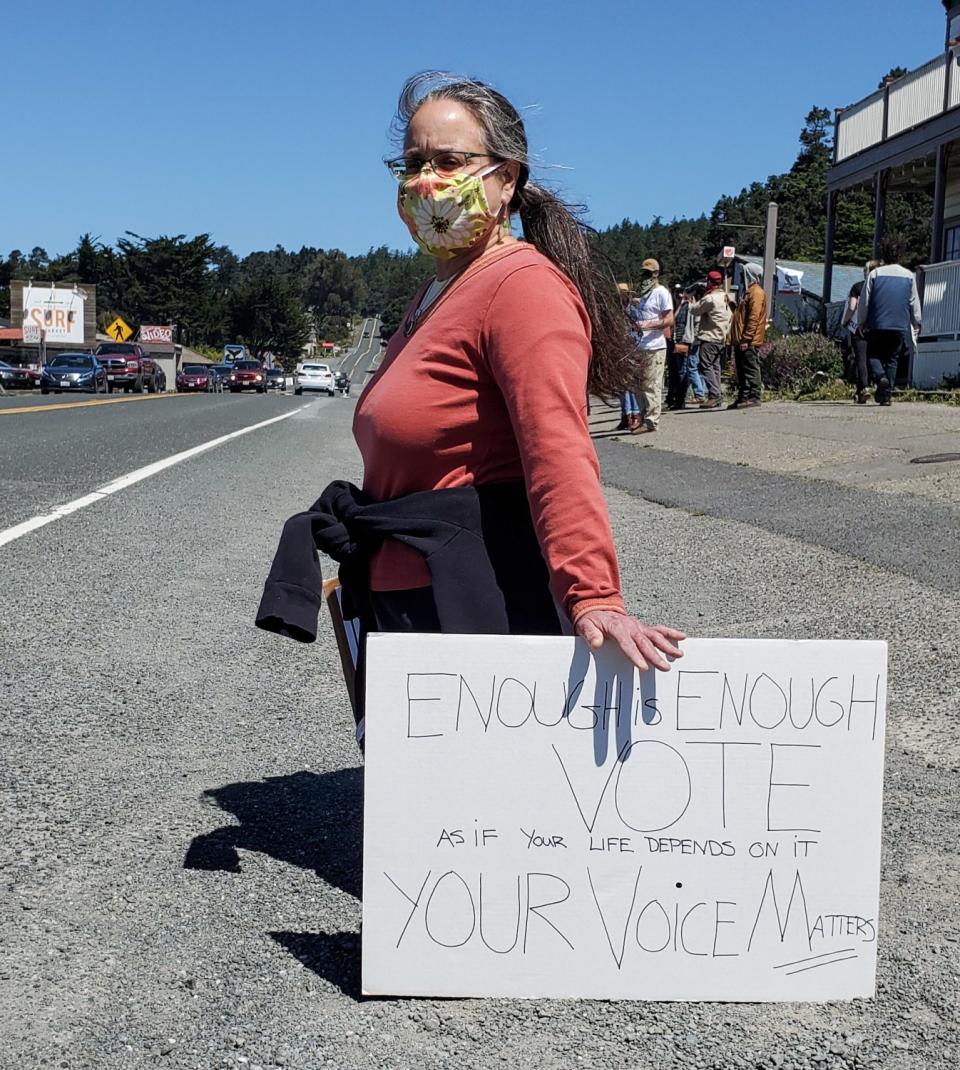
(729, 252)
(156, 333)
(31, 334)
(120, 330)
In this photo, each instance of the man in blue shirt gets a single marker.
(889, 313)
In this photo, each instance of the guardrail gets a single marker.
(915, 98)
(941, 299)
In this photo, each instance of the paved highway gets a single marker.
(181, 796)
(58, 450)
(357, 362)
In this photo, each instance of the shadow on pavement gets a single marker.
(609, 434)
(311, 820)
(333, 956)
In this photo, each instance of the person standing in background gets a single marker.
(748, 329)
(714, 313)
(675, 356)
(686, 347)
(629, 404)
(858, 341)
(889, 313)
(652, 314)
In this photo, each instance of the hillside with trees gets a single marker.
(687, 248)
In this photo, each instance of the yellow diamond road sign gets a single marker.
(119, 330)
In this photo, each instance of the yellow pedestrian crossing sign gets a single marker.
(120, 330)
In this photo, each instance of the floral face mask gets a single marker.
(446, 214)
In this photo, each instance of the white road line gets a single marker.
(24, 528)
(357, 355)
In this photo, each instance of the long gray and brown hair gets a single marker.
(553, 226)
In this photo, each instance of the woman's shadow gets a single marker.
(311, 820)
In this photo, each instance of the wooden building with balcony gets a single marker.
(907, 136)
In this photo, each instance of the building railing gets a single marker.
(915, 98)
(941, 299)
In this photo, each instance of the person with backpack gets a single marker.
(687, 348)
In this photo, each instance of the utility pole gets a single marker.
(770, 255)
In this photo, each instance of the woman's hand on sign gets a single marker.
(640, 643)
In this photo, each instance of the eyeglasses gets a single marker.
(444, 163)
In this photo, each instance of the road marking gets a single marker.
(54, 407)
(24, 528)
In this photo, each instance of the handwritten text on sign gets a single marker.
(543, 822)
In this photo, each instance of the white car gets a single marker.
(314, 377)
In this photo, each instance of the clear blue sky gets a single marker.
(265, 123)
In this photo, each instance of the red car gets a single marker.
(22, 373)
(248, 375)
(192, 377)
(127, 366)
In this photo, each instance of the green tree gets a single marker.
(892, 75)
(265, 313)
(168, 280)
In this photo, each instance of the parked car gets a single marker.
(192, 378)
(22, 374)
(314, 377)
(7, 374)
(248, 375)
(276, 379)
(127, 366)
(220, 377)
(73, 371)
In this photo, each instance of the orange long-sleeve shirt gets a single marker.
(491, 386)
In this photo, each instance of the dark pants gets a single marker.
(711, 357)
(413, 610)
(676, 385)
(883, 353)
(749, 381)
(858, 346)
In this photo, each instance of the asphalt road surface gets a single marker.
(180, 794)
(358, 361)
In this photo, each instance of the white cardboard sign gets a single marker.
(543, 822)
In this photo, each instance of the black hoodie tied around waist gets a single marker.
(487, 571)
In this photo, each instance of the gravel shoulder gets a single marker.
(181, 876)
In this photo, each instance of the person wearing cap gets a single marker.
(747, 333)
(714, 313)
(652, 314)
